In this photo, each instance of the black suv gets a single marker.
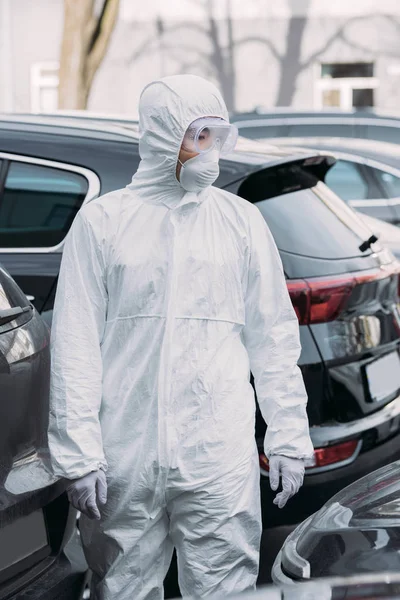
(343, 284)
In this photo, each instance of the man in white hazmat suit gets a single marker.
(170, 291)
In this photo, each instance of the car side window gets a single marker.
(390, 183)
(38, 205)
(347, 181)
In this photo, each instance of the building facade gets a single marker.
(298, 53)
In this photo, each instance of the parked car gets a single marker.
(343, 285)
(87, 117)
(357, 587)
(366, 174)
(384, 152)
(366, 124)
(36, 520)
(356, 532)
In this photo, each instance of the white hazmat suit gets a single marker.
(166, 299)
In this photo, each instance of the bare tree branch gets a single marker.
(336, 35)
(186, 48)
(176, 53)
(187, 25)
(146, 45)
(362, 48)
(392, 19)
(260, 40)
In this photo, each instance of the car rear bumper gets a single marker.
(319, 488)
(387, 416)
(60, 581)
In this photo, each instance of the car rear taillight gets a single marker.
(333, 454)
(323, 457)
(322, 299)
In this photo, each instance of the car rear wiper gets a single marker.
(368, 243)
(9, 314)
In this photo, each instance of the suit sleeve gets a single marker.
(271, 336)
(79, 317)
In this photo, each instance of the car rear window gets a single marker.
(305, 217)
(345, 179)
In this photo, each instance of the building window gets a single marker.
(345, 85)
(44, 86)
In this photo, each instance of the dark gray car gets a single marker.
(34, 525)
(357, 531)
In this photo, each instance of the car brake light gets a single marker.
(323, 456)
(322, 299)
(328, 298)
(299, 292)
(334, 454)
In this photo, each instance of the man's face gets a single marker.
(185, 154)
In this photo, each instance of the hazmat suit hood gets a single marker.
(166, 109)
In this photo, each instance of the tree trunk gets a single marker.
(85, 41)
(223, 61)
(291, 66)
(230, 60)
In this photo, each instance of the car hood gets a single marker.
(357, 531)
(374, 497)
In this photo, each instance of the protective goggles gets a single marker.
(210, 133)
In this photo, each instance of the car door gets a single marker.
(352, 181)
(390, 183)
(38, 202)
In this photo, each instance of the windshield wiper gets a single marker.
(368, 243)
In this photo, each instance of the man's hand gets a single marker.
(292, 471)
(87, 492)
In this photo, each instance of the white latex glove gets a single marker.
(292, 472)
(87, 492)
